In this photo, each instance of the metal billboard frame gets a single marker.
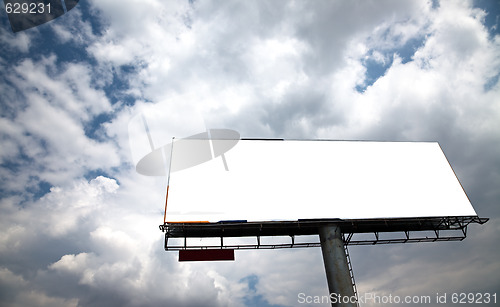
(409, 229)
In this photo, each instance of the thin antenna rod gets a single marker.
(210, 140)
(147, 132)
(168, 180)
(224, 161)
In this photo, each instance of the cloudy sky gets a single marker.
(79, 226)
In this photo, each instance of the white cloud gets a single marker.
(50, 122)
(70, 90)
(58, 213)
(73, 28)
(20, 41)
(68, 208)
(71, 263)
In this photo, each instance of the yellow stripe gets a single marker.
(189, 222)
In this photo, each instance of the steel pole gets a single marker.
(336, 268)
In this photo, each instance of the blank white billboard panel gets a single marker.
(274, 180)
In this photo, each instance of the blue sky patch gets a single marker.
(492, 18)
(252, 299)
(378, 62)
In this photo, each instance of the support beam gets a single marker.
(336, 267)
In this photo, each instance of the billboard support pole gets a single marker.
(336, 266)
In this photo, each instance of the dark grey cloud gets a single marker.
(300, 112)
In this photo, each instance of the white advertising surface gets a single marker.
(275, 180)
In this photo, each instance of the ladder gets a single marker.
(351, 273)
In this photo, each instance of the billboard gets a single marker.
(288, 180)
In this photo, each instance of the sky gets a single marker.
(79, 225)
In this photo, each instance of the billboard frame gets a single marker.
(440, 228)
